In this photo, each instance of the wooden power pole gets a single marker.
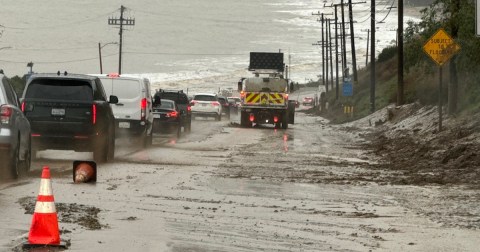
(121, 22)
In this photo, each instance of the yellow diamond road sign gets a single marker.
(441, 47)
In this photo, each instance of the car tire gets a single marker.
(179, 132)
(27, 159)
(188, 127)
(111, 149)
(14, 163)
(100, 151)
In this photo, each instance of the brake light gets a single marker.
(94, 114)
(5, 114)
(189, 108)
(143, 109)
(285, 96)
(275, 119)
(216, 103)
(23, 106)
(35, 135)
(252, 118)
(172, 114)
(113, 75)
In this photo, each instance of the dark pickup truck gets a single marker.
(70, 112)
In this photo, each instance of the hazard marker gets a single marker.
(44, 229)
(84, 171)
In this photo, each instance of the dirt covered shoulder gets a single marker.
(408, 142)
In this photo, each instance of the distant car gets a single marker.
(182, 101)
(70, 112)
(15, 144)
(234, 101)
(308, 101)
(167, 117)
(225, 105)
(206, 104)
(133, 112)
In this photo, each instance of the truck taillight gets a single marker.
(252, 117)
(143, 109)
(242, 94)
(285, 96)
(94, 114)
(5, 114)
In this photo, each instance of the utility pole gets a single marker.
(400, 95)
(344, 48)
(121, 22)
(372, 58)
(331, 49)
(322, 20)
(327, 46)
(368, 40)
(336, 47)
(352, 39)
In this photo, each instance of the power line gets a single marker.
(58, 62)
(59, 25)
(187, 54)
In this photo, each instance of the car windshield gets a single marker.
(59, 89)
(204, 98)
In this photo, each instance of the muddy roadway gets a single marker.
(225, 188)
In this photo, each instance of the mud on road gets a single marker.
(312, 187)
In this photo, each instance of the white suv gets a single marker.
(206, 104)
(133, 112)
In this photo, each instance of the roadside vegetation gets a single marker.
(461, 74)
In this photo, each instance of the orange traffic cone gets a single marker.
(44, 228)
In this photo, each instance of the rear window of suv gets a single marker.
(205, 98)
(179, 98)
(60, 89)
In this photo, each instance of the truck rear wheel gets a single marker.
(244, 119)
(285, 121)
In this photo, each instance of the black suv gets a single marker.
(181, 99)
(70, 112)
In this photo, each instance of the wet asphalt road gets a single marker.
(226, 188)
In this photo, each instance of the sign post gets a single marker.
(440, 47)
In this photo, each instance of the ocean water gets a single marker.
(199, 45)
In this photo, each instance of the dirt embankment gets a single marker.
(408, 141)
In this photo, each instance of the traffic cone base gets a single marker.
(44, 229)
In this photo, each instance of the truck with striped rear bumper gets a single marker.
(264, 97)
(264, 101)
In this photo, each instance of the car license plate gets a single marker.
(124, 125)
(58, 111)
(204, 104)
(156, 115)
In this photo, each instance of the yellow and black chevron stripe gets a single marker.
(264, 98)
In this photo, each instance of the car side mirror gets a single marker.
(113, 99)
